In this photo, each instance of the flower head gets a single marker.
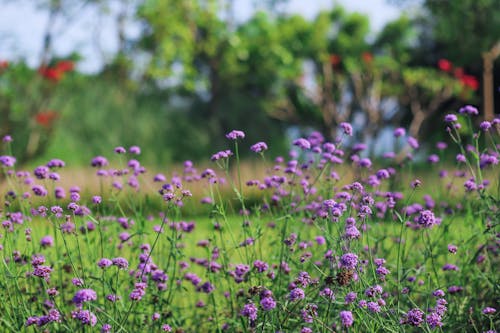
(347, 128)
(259, 147)
(349, 260)
(346, 318)
(414, 317)
(235, 135)
(469, 109)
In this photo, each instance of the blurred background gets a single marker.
(79, 77)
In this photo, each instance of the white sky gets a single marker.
(22, 27)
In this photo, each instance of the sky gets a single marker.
(93, 35)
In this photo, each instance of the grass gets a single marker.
(304, 235)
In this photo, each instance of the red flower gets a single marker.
(458, 72)
(56, 72)
(46, 118)
(51, 73)
(335, 59)
(470, 82)
(367, 57)
(65, 66)
(4, 64)
(445, 65)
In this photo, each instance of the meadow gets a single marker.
(321, 240)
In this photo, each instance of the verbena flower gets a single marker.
(47, 241)
(249, 310)
(85, 317)
(302, 143)
(136, 150)
(296, 294)
(489, 310)
(349, 260)
(414, 317)
(346, 318)
(235, 134)
(398, 132)
(120, 262)
(99, 161)
(84, 295)
(469, 110)
(7, 161)
(347, 128)
(268, 303)
(259, 147)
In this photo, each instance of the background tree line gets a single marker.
(193, 74)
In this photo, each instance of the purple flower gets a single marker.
(41, 172)
(349, 260)
(320, 240)
(7, 138)
(461, 158)
(452, 248)
(259, 147)
(261, 266)
(85, 317)
(347, 128)
(450, 118)
(468, 109)
(106, 328)
(413, 142)
(455, 289)
(302, 143)
(365, 163)
(99, 161)
(39, 190)
(37, 260)
(96, 199)
(414, 317)
(120, 262)
(77, 282)
(383, 174)
(441, 145)
(120, 150)
(47, 241)
(426, 218)
(136, 150)
(433, 159)
(438, 293)
(137, 294)
(221, 155)
(346, 318)
(373, 307)
(7, 161)
(351, 232)
(434, 320)
(84, 295)
(42, 271)
(268, 303)
(450, 267)
(399, 132)
(250, 311)
(296, 294)
(235, 134)
(485, 126)
(489, 310)
(159, 178)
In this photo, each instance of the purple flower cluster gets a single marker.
(259, 147)
(235, 135)
(84, 295)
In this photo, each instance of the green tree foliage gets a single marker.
(464, 29)
(230, 76)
